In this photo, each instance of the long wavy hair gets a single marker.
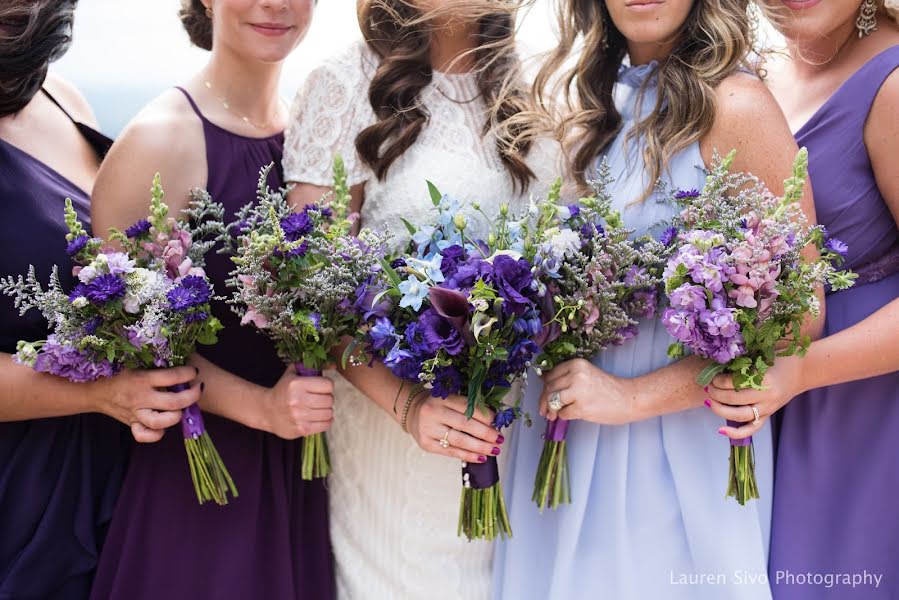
(33, 33)
(401, 36)
(576, 103)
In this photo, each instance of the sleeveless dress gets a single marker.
(271, 541)
(837, 473)
(648, 517)
(59, 477)
(394, 507)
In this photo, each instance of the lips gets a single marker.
(800, 4)
(271, 29)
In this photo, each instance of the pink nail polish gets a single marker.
(708, 403)
(482, 459)
(500, 439)
(495, 451)
(706, 389)
(722, 431)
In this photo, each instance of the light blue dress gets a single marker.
(649, 519)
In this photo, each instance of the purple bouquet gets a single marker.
(142, 307)
(294, 272)
(738, 287)
(596, 284)
(457, 316)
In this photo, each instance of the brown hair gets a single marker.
(33, 33)
(196, 23)
(400, 34)
(579, 106)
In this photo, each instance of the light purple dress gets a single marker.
(837, 467)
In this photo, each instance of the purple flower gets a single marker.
(504, 418)
(403, 364)
(79, 291)
(193, 291)
(684, 194)
(65, 360)
(528, 324)
(105, 288)
(681, 324)
(415, 338)
(397, 263)
(365, 298)
(447, 380)
(77, 245)
(140, 228)
(439, 334)
(452, 256)
(668, 236)
(324, 210)
(689, 297)
(574, 210)
(316, 320)
(382, 334)
(296, 226)
(624, 334)
(90, 327)
(468, 273)
(642, 304)
(588, 230)
(836, 246)
(298, 252)
(513, 280)
(520, 355)
(196, 317)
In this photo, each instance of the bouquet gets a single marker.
(598, 283)
(144, 306)
(294, 273)
(738, 288)
(456, 315)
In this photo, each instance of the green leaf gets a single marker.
(391, 272)
(706, 376)
(409, 226)
(436, 196)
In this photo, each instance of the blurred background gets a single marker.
(125, 52)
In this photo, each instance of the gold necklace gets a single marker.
(227, 105)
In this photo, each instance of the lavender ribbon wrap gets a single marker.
(556, 431)
(304, 371)
(480, 476)
(745, 441)
(192, 426)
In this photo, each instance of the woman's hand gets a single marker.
(471, 440)
(782, 383)
(298, 406)
(590, 394)
(140, 399)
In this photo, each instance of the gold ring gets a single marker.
(444, 443)
(758, 417)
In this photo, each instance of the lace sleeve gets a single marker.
(327, 113)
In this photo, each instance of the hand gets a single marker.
(298, 406)
(588, 393)
(782, 382)
(470, 440)
(140, 399)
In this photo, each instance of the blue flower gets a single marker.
(382, 334)
(836, 246)
(193, 291)
(423, 237)
(140, 228)
(79, 291)
(520, 355)
(105, 288)
(447, 380)
(512, 279)
(504, 418)
(397, 263)
(296, 226)
(684, 194)
(403, 363)
(668, 236)
(415, 338)
(316, 320)
(77, 245)
(414, 292)
(430, 267)
(196, 317)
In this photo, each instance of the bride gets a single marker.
(414, 101)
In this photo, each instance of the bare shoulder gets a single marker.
(71, 99)
(743, 103)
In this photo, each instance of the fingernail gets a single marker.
(482, 459)
(708, 403)
(722, 431)
(706, 389)
(500, 439)
(495, 451)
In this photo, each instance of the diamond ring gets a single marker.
(555, 401)
(444, 443)
(758, 417)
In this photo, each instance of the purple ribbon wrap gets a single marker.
(556, 431)
(745, 441)
(192, 426)
(480, 476)
(304, 371)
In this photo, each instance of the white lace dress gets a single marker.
(394, 508)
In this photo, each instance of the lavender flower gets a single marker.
(139, 229)
(105, 288)
(296, 226)
(193, 291)
(836, 246)
(77, 245)
(65, 360)
(668, 236)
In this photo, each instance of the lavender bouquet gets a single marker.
(294, 273)
(145, 306)
(598, 283)
(456, 315)
(738, 288)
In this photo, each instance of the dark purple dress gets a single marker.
(58, 477)
(837, 471)
(270, 542)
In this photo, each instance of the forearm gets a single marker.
(668, 390)
(866, 349)
(229, 396)
(26, 394)
(380, 385)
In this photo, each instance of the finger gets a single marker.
(317, 427)
(739, 433)
(459, 404)
(166, 378)
(560, 386)
(483, 432)
(723, 381)
(158, 420)
(558, 372)
(143, 435)
(742, 414)
(317, 385)
(460, 439)
(317, 415)
(167, 401)
(735, 398)
(464, 455)
(317, 401)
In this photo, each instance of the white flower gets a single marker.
(79, 302)
(565, 243)
(118, 262)
(88, 273)
(143, 285)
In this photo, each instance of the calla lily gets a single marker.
(481, 323)
(452, 305)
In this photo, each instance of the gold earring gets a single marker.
(867, 18)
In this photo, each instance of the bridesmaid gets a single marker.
(837, 467)
(657, 88)
(272, 541)
(62, 454)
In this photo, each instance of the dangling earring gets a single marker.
(867, 18)
(208, 12)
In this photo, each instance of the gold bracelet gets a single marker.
(412, 396)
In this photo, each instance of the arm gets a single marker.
(866, 349)
(749, 121)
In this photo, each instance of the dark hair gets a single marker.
(400, 35)
(196, 23)
(33, 33)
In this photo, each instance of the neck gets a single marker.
(813, 55)
(642, 53)
(451, 45)
(251, 87)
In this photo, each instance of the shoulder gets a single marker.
(886, 103)
(741, 99)
(348, 68)
(71, 99)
